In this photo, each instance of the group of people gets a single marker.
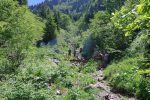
(77, 53)
(103, 57)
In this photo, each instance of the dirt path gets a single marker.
(106, 90)
(106, 93)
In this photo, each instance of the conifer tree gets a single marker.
(57, 19)
(22, 2)
(50, 29)
(45, 11)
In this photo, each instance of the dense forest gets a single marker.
(75, 50)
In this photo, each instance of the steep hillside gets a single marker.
(75, 50)
(71, 7)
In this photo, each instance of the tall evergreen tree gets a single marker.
(45, 10)
(22, 2)
(57, 19)
(50, 29)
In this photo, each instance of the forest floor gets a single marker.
(106, 92)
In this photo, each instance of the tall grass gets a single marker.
(126, 77)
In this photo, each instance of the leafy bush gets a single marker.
(77, 94)
(63, 77)
(20, 30)
(125, 76)
(16, 90)
(144, 89)
(89, 67)
(85, 80)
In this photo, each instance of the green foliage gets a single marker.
(19, 30)
(112, 5)
(90, 67)
(86, 80)
(121, 73)
(63, 77)
(144, 89)
(45, 11)
(57, 21)
(134, 15)
(140, 43)
(18, 34)
(5, 13)
(16, 90)
(131, 74)
(22, 2)
(50, 29)
(126, 76)
(27, 72)
(106, 36)
(77, 94)
(74, 8)
(30, 80)
(98, 27)
(65, 21)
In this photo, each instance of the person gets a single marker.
(80, 50)
(69, 52)
(80, 54)
(99, 57)
(77, 53)
(74, 52)
(106, 58)
(96, 55)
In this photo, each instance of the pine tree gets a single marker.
(50, 29)
(45, 11)
(22, 2)
(57, 19)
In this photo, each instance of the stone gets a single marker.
(58, 92)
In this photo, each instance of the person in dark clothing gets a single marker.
(80, 50)
(74, 53)
(69, 52)
(105, 58)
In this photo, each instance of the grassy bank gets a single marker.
(127, 75)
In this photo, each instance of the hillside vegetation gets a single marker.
(34, 44)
